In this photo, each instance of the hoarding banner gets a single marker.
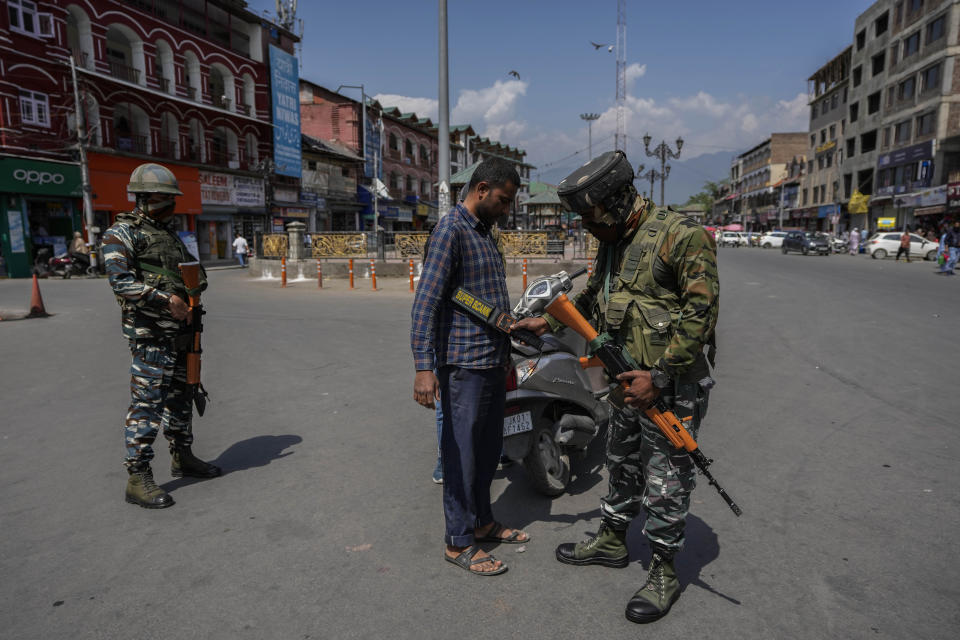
(228, 190)
(285, 91)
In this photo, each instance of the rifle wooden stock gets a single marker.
(190, 272)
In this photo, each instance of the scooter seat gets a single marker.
(551, 344)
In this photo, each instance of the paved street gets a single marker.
(834, 426)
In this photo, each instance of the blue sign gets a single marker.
(308, 197)
(373, 149)
(285, 92)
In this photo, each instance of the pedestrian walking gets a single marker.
(471, 361)
(854, 241)
(951, 242)
(654, 286)
(240, 248)
(142, 255)
(904, 245)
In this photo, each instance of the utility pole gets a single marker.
(589, 118)
(621, 137)
(663, 153)
(443, 153)
(653, 175)
(84, 167)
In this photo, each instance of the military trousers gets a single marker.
(159, 399)
(646, 471)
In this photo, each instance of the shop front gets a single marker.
(231, 204)
(110, 175)
(40, 208)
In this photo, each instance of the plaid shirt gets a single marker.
(461, 253)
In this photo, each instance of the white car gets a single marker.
(772, 239)
(884, 244)
(732, 239)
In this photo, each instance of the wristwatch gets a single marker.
(659, 378)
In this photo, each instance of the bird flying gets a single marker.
(514, 74)
(597, 46)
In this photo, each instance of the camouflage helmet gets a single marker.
(153, 178)
(598, 182)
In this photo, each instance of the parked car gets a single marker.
(881, 245)
(806, 242)
(733, 239)
(772, 239)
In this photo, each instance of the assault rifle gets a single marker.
(190, 272)
(615, 360)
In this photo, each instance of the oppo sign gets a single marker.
(31, 176)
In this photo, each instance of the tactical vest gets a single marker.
(643, 309)
(157, 260)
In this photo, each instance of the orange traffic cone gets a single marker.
(36, 301)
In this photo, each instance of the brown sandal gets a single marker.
(467, 561)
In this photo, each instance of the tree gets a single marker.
(706, 198)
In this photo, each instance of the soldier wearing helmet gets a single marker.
(654, 288)
(142, 254)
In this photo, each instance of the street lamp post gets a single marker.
(653, 175)
(589, 118)
(663, 153)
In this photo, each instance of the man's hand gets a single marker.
(426, 388)
(179, 309)
(641, 392)
(538, 326)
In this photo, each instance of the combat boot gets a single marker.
(654, 599)
(607, 548)
(184, 464)
(142, 490)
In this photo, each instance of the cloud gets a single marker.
(423, 107)
(491, 110)
(634, 71)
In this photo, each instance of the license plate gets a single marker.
(517, 423)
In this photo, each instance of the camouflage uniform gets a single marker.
(141, 257)
(661, 302)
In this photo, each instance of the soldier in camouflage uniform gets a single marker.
(655, 289)
(142, 254)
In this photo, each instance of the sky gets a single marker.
(723, 75)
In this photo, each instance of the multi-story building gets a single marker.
(410, 170)
(820, 195)
(184, 83)
(761, 171)
(903, 142)
(331, 173)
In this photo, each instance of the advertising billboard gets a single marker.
(285, 94)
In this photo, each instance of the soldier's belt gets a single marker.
(493, 316)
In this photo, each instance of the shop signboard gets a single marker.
(826, 210)
(953, 196)
(295, 212)
(308, 198)
(285, 92)
(886, 223)
(372, 146)
(248, 192)
(19, 175)
(390, 213)
(913, 153)
(405, 215)
(286, 194)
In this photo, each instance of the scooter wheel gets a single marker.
(547, 466)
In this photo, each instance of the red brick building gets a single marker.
(181, 82)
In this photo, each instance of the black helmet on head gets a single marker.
(600, 182)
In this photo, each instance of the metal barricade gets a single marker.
(272, 246)
(343, 244)
(530, 244)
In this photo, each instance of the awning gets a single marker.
(926, 211)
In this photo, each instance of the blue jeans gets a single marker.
(952, 261)
(470, 441)
(240, 258)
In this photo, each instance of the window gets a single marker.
(823, 193)
(914, 6)
(843, 126)
(911, 44)
(891, 92)
(820, 162)
(857, 75)
(394, 143)
(861, 39)
(823, 136)
(873, 103)
(25, 18)
(829, 160)
(854, 111)
(886, 137)
(816, 195)
(935, 29)
(868, 141)
(411, 185)
(34, 108)
(894, 50)
(804, 198)
(851, 147)
(906, 89)
(809, 166)
(813, 112)
(833, 131)
(813, 139)
(312, 165)
(847, 183)
(902, 133)
(834, 101)
(930, 79)
(825, 105)
(926, 124)
(881, 24)
(877, 63)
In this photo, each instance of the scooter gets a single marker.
(553, 409)
(66, 265)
